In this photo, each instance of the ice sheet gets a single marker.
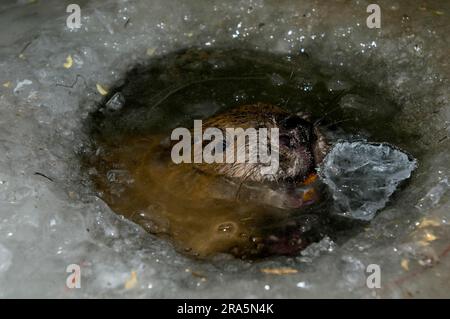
(48, 223)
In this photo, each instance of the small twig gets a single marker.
(337, 107)
(43, 175)
(73, 84)
(27, 45)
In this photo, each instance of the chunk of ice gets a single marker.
(434, 195)
(362, 176)
(116, 102)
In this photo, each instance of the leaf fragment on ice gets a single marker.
(101, 89)
(69, 62)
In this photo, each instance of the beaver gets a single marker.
(218, 207)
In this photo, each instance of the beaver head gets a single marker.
(302, 146)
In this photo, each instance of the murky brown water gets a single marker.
(201, 213)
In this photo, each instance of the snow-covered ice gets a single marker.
(52, 77)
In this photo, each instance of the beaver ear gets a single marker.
(294, 121)
(304, 115)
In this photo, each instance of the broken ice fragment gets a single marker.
(116, 102)
(21, 84)
(434, 195)
(362, 176)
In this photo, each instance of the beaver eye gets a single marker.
(285, 140)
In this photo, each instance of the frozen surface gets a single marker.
(52, 77)
(362, 176)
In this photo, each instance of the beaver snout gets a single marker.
(303, 138)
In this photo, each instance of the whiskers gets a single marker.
(249, 173)
(337, 122)
(332, 110)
